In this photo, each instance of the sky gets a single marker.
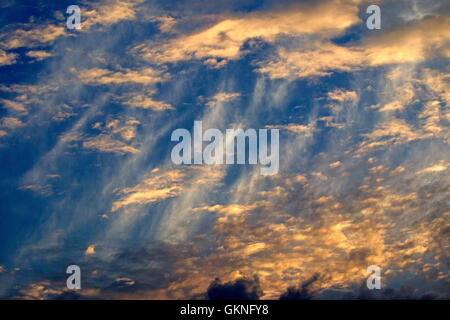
(87, 179)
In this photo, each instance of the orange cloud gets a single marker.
(225, 38)
(105, 143)
(105, 76)
(222, 97)
(7, 58)
(90, 250)
(39, 54)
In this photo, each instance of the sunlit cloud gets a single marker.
(7, 58)
(85, 133)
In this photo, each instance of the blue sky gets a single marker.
(86, 175)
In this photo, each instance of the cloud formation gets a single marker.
(363, 118)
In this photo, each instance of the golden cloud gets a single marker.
(39, 54)
(410, 43)
(32, 36)
(318, 58)
(145, 102)
(157, 185)
(90, 250)
(222, 97)
(105, 143)
(342, 95)
(105, 76)
(109, 12)
(224, 39)
(293, 127)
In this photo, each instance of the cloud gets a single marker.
(39, 54)
(335, 164)
(317, 58)
(115, 136)
(48, 290)
(329, 211)
(322, 200)
(42, 189)
(437, 83)
(165, 23)
(435, 168)
(293, 127)
(108, 12)
(36, 89)
(224, 39)
(394, 131)
(105, 143)
(7, 58)
(125, 129)
(388, 293)
(410, 43)
(304, 292)
(432, 118)
(341, 95)
(145, 101)
(11, 123)
(121, 283)
(31, 36)
(231, 209)
(156, 187)
(254, 248)
(284, 246)
(104, 13)
(104, 76)
(397, 170)
(90, 250)
(240, 289)
(40, 291)
(222, 97)
(14, 106)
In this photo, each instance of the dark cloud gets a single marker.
(66, 295)
(304, 291)
(403, 293)
(241, 289)
(407, 290)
